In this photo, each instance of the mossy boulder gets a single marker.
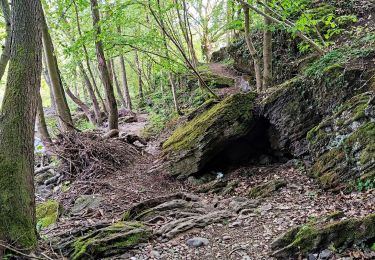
(343, 145)
(111, 240)
(266, 189)
(192, 146)
(47, 213)
(313, 237)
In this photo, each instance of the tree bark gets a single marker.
(252, 50)
(62, 108)
(267, 50)
(119, 91)
(41, 124)
(111, 101)
(6, 49)
(140, 82)
(91, 92)
(87, 59)
(85, 108)
(48, 81)
(125, 83)
(17, 125)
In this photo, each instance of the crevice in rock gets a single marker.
(258, 147)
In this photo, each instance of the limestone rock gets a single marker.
(343, 145)
(86, 202)
(314, 237)
(190, 147)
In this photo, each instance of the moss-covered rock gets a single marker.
(343, 145)
(111, 240)
(191, 146)
(265, 190)
(313, 237)
(47, 213)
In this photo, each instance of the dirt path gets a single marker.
(247, 234)
(223, 70)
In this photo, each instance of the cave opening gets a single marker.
(259, 147)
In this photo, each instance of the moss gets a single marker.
(47, 213)
(114, 239)
(265, 190)
(275, 92)
(236, 106)
(373, 247)
(16, 223)
(313, 237)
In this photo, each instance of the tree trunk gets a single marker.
(252, 50)
(112, 105)
(62, 108)
(140, 82)
(267, 51)
(125, 83)
(119, 92)
(174, 94)
(85, 108)
(6, 50)
(87, 59)
(17, 126)
(48, 81)
(41, 124)
(91, 91)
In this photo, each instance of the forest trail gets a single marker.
(244, 227)
(223, 70)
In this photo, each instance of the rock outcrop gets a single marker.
(192, 146)
(313, 237)
(343, 144)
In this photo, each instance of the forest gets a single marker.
(187, 129)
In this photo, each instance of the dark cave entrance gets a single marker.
(259, 147)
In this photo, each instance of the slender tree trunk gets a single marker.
(139, 72)
(6, 49)
(252, 50)
(267, 51)
(17, 126)
(48, 81)
(85, 108)
(41, 124)
(87, 60)
(62, 108)
(125, 83)
(174, 93)
(112, 105)
(115, 79)
(91, 93)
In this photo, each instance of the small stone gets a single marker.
(155, 254)
(197, 242)
(312, 257)
(227, 237)
(325, 254)
(235, 224)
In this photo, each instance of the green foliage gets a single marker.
(337, 58)
(47, 213)
(365, 185)
(84, 124)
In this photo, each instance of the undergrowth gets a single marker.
(340, 56)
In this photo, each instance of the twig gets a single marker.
(17, 251)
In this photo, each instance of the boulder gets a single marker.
(192, 146)
(343, 145)
(313, 237)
